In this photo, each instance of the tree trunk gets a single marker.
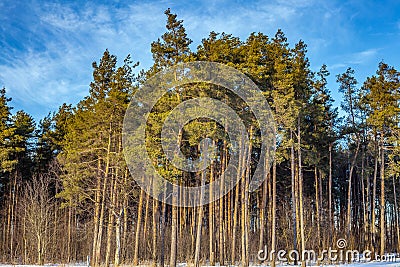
(103, 200)
(211, 224)
(235, 219)
(294, 205)
(125, 212)
(221, 208)
(110, 222)
(174, 228)
(154, 236)
(349, 195)
(396, 210)
(364, 199)
(200, 210)
(264, 192)
(317, 207)
(245, 206)
(303, 241)
(273, 230)
(331, 223)
(163, 226)
(138, 227)
(373, 201)
(117, 255)
(382, 247)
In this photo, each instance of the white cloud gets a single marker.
(337, 66)
(363, 56)
(38, 79)
(61, 17)
(71, 37)
(71, 40)
(357, 58)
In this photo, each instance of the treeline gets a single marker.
(66, 192)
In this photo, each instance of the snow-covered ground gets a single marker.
(366, 264)
(46, 265)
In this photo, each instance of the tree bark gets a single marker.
(294, 205)
(382, 225)
(138, 227)
(396, 210)
(303, 241)
(373, 201)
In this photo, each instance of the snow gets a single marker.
(366, 264)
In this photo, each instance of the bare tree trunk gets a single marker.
(162, 243)
(396, 210)
(154, 237)
(174, 228)
(364, 199)
(101, 222)
(294, 205)
(367, 206)
(146, 212)
(103, 200)
(317, 207)
(211, 225)
(96, 216)
(382, 247)
(349, 195)
(264, 192)
(373, 201)
(245, 207)
(113, 192)
(125, 212)
(117, 254)
(138, 227)
(221, 209)
(198, 233)
(331, 223)
(303, 241)
(200, 210)
(39, 207)
(69, 233)
(273, 230)
(236, 202)
(13, 225)
(235, 219)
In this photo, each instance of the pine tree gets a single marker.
(173, 48)
(92, 152)
(6, 132)
(382, 99)
(347, 85)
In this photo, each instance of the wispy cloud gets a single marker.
(48, 48)
(337, 66)
(70, 39)
(363, 56)
(52, 65)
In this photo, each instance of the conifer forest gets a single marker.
(67, 195)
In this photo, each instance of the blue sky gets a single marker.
(47, 47)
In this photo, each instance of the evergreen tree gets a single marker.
(348, 86)
(382, 99)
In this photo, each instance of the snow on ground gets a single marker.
(365, 264)
(358, 264)
(46, 265)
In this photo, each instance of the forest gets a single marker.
(67, 195)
